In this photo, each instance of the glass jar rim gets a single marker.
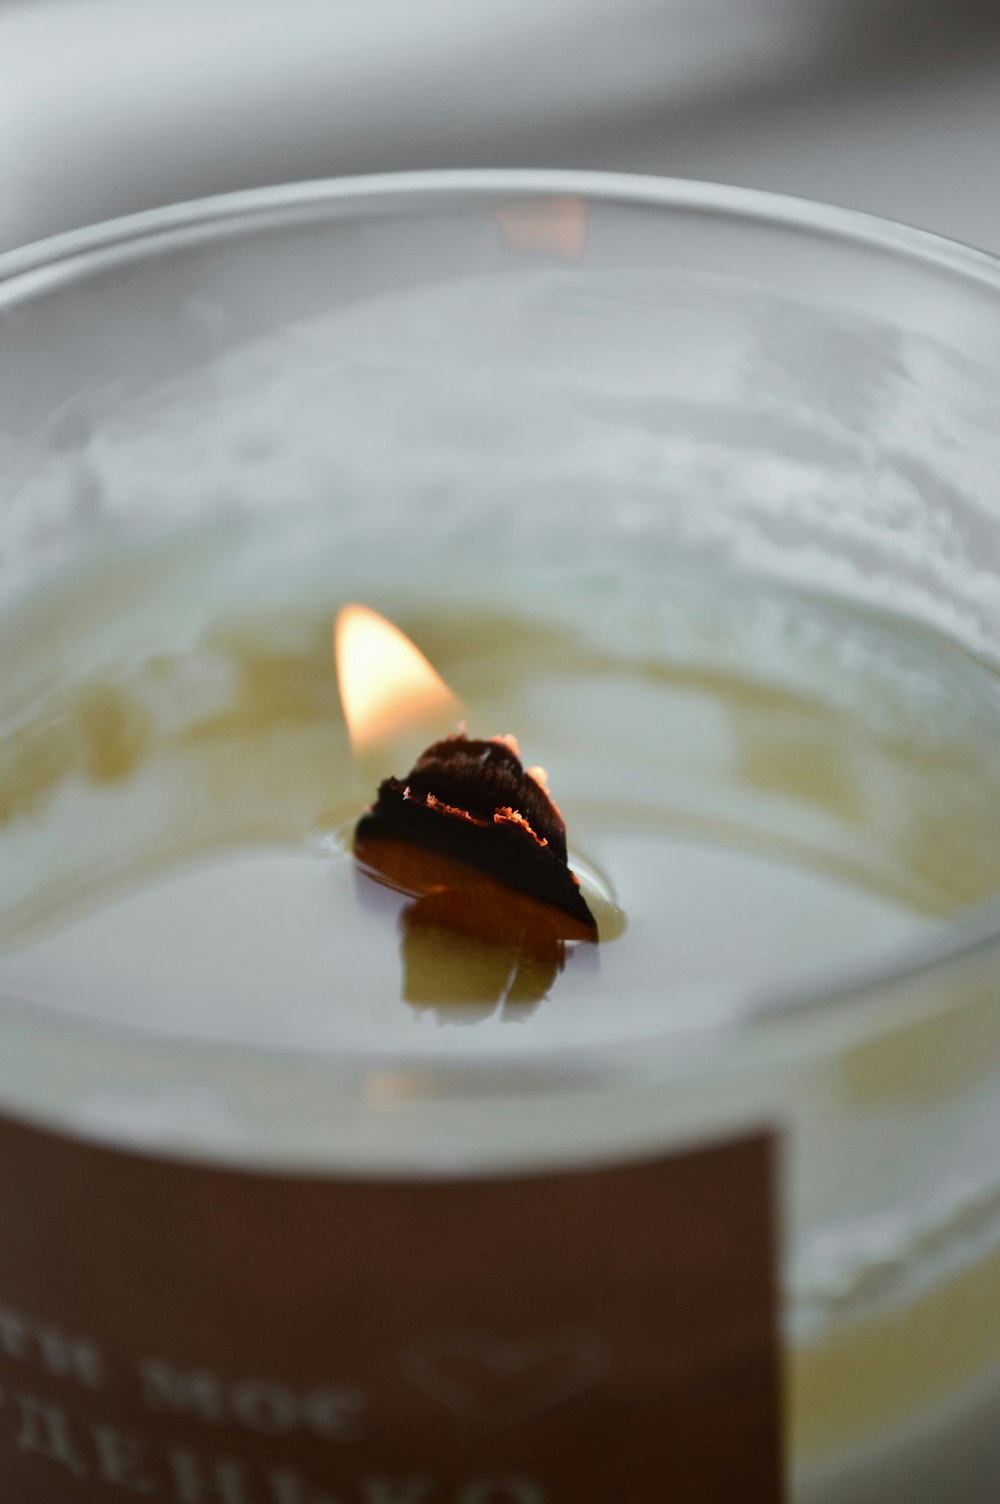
(245, 209)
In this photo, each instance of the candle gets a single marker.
(211, 892)
(385, 1199)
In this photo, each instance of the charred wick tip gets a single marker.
(475, 802)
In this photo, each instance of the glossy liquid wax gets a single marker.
(760, 797)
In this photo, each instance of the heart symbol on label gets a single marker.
(495, 1381)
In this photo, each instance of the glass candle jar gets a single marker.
(693, 490)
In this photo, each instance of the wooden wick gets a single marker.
(474, 804)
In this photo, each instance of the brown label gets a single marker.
(203, 1336)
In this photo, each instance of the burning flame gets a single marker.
(386, 683)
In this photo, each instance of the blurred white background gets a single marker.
(108, 106)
